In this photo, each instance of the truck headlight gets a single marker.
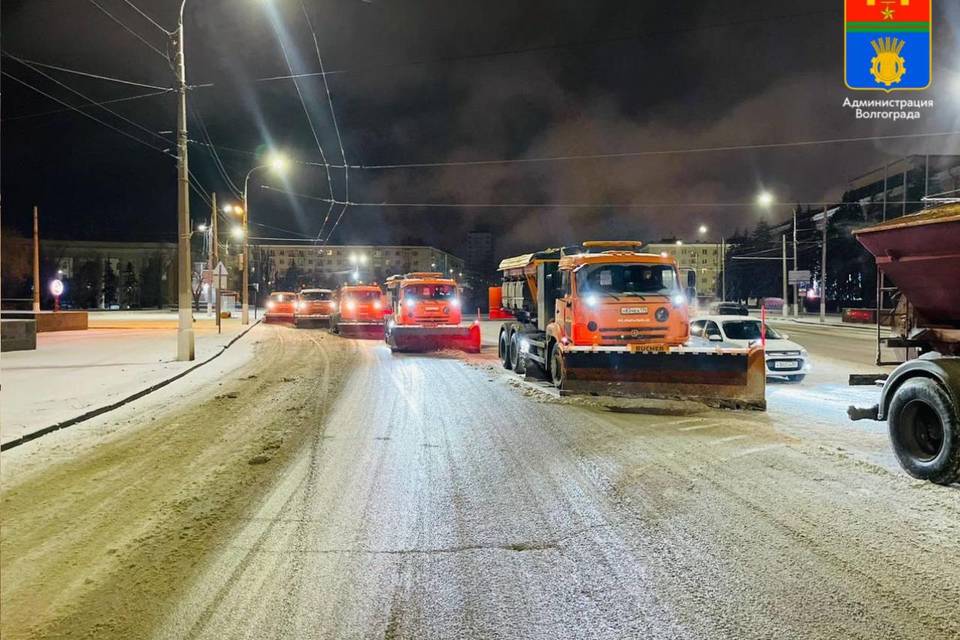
(661, 314)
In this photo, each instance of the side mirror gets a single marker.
(691, 293)
(691, 279)
(716, 338)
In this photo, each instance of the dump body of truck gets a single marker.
(605, 318)
(426, 316)
(920, 401)
(359, 312)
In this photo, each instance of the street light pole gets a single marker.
(245, 257)
(823, 268)
(796, 286)
(278, 163)
(36, 261)
(786, 302)
(185, 345)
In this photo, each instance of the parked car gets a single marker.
(729, 309)
(314, 305)
(280, 306)
(786, 360)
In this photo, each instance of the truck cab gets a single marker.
(613, 296)
(359, 311)
(423, 298)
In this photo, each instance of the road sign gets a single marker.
(800, 276)
(220, 275)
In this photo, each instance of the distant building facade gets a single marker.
(105, 274)
(703, 257)
(881, 193)
(333, 265)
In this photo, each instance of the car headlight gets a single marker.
(410, 303)
(455, 303)
(351, 305)
(377, 305)
(271, 305)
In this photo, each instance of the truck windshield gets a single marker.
(747, 330)
(361, 295)
(315, 295)
(627, 279)
(430, 291)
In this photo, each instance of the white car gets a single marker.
(786, 360)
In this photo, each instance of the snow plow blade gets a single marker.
(727, 378)
(362, 330)
(418, 339)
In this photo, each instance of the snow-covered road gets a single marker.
(334, 490)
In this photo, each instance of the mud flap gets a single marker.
(730, 378)
(417, 339)
(361, 330)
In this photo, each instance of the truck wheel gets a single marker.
(558, 370)
(504, 349)
(925, 431)
(517, 360)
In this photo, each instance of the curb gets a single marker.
(93, 413)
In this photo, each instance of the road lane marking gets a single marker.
(729, 439)
(748, 452)
(700, 426)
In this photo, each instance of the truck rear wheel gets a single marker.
(517, 359)
(504, 349)
(925, 431)
(558, 368)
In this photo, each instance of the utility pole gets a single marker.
(213, 225)
(796, 285)
(783, 239)
(215, 247)
(185, 346)
(245, 259)
(823, 268)
(723, 269)
(36, 260)
(212, 240)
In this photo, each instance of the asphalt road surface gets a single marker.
(436, 497)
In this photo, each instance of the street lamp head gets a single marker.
(703, 229)
(679, 242)
(765, 199)
(278, 162)
(201, 227)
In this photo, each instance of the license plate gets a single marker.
(633, 311)
(785, 364)
(642, 348)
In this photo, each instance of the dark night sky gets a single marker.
(445, 80)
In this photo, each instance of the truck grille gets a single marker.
(632, 335)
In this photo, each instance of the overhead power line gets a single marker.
(88, 99)
(336, 128)
(87, 106)
(578, 44)
(148, 18)
(86, 74)
(535, 205)
(87, 115)
(126, 28)
(656, 152)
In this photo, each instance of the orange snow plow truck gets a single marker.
(426, 315)
(605, 319)
(359, 312)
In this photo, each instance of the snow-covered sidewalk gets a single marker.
(73, 372)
